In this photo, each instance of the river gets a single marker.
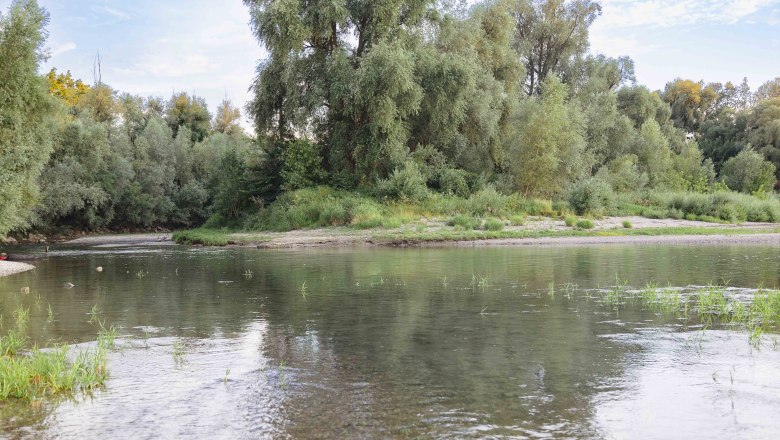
(399, 343)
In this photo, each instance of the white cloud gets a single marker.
(113, 12)
(60, 49)
(667, 13)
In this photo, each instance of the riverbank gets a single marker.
(13, 267)
(537, 231)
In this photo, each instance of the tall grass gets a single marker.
(325, 206)
(719, 206)
(28, 373)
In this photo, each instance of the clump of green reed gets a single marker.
(28, 373)
(479, 282)
(517, 220)
(627, 224)
(570, 220)
(179, 352)
(613, 297)
(493, 224)
(712, 305)
(585, 224)
(466, 222)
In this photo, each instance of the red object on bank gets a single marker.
(2, 257)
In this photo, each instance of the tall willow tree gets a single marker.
(551, 35)
(25, 141)
(342, 73)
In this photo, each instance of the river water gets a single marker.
(399, 343)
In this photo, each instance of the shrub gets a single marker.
(748, 172)
(570, 220)
(453, 182)
(465, 221)
(517, 220)
(487, 201)
(591, 196)
(585, 224)
(721, 206)
(493, 224)
(627, 224)
(518, 203)
(406, 184)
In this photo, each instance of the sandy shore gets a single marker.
(145, 239)
(347, 237)
(13, 267)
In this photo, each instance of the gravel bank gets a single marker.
(13, 267)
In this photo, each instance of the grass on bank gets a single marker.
(30, 372)
(322, 207)
(214, 237)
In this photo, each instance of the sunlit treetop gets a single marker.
(63, 86)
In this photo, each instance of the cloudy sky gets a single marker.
(156, 47)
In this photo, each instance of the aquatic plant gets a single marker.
(627, 224)
(480, 282)
(27, 373)
(179, 350)
(570, 220)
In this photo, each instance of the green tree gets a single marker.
(355, 95)
(691, 102)
(764, 129)
(768, 90)
(548, 150)
(551, 35)
(748, 172)
(188, 111)
(25, 108)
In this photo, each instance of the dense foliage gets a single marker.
(400, 102)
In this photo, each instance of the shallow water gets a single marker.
(398, 343)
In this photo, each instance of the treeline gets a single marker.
(83, 157)
(504, 94)
(404, 102)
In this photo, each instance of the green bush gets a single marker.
(591, 196)
(453, 182)
(465, 221)
(488, 201)
(748, 172)
(570, 220)
(517, 220)
(585, 224)
(493, 224)
(627, 224)
(518, 203)
(722, 206)
(406, 184)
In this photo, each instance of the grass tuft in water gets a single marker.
(28, 373)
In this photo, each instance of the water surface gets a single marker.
(399, 343)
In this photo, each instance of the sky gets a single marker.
(205, 47)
